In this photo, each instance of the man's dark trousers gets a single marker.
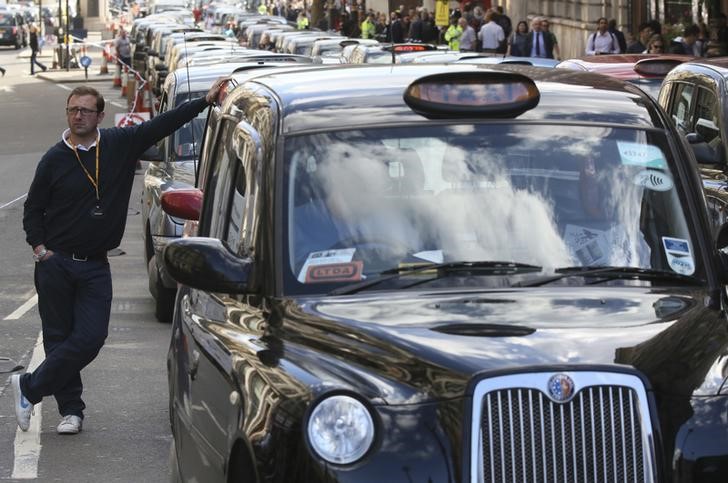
(74, 300)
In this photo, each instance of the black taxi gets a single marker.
(450, 274)
(694, 96)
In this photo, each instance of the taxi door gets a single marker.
(210, 324)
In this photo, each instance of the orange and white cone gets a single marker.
(125, 83)
(143, 100)
(117, 76)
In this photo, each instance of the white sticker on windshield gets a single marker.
(434, 256)
(677, 251)
(653, 180)
(325, 257)
(645, 155)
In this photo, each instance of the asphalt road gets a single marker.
(126, 432)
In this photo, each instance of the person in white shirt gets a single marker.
(467, 40)
(491, 34)
(602, 41)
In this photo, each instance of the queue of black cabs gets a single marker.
(446, 273)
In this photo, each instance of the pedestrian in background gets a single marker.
(491, 34)
(368, 30)
(602, 41)
(468, 40)
(123, 49)
(396, 28)
(453, 34)
(640, 45)
(518, 40)
(75, 212)
(546, 29)
(685, 45)
(656, 45)
(34, 50)
(612, 28)
(539, 45)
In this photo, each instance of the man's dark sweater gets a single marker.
(61, 197)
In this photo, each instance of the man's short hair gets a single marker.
(88, 91)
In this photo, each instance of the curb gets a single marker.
(74, 75)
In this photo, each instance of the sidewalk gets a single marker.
(93, 50)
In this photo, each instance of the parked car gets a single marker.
(694, 96)
(13, 30)
(446, 273)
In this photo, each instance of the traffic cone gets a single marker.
(117, 76)
(105, 61)
(143, 100)
(125, 84)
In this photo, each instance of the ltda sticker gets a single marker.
(653, 180)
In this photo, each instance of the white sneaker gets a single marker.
(70, 425)
(23, 408)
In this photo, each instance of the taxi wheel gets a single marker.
(164, 303)
(17, 46)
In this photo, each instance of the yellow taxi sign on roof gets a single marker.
(472, 94)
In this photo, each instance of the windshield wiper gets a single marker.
(609, 272)
(483, 268)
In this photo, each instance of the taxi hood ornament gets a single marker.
(561, 388)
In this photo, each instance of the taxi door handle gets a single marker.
(194, 364)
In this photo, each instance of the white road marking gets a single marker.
(118, 104)
(65, 87)
(8, 89)
(27, 444)
(20, 311)
(11, 202)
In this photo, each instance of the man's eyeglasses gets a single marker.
(72, 111)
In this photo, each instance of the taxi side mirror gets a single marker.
(183, 203)
(207, 264)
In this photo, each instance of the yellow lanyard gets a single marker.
(94, 182)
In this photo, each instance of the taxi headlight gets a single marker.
(340, 429)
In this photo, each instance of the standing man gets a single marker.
(396, 28)
(453, 34)
(123, 49)
(640, 45)
(491, 34)
(74, 214)
(539, 44)
(468, 40)
(368, 30)
(684, 45)
(602, 41)
(546, 29)
(34, 50)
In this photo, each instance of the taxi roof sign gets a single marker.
(410, 47)
(656, 67)
(472, 94)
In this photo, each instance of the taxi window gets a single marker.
(359, 203)
(682, 106)
(707, 117)
(187, 140)
(6, 20)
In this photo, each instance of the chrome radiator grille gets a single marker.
(603, 434)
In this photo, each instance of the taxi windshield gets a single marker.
(186, 141)
(6, 20)
(359, 203)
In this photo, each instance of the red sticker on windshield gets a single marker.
(335, 272)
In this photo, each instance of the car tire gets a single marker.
(164, 303)
(17, 46)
